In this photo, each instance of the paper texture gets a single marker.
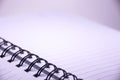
(89, 50)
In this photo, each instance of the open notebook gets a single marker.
(84, 48)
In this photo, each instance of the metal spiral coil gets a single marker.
(29, 55)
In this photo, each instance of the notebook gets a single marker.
(80, 48)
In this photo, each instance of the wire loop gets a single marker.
(55, 70)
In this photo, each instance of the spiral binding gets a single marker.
(29, 55)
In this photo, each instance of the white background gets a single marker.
(106, 12)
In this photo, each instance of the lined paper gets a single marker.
(87, 49)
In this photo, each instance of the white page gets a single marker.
(82, 47)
